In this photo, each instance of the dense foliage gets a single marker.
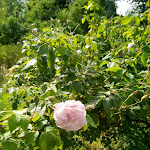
(97, 69)
(18, 18)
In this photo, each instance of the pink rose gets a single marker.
(130, 45)
(70, 115)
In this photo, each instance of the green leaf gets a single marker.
(30, 64)
(144, 58)
(89, 6)
(13, 122)
(119, 73)
(31, 137)
(10, 145)
(36, 100)
(83, 20)
(114, 69)
(126, 20)
(90, 121)
(47, 93)
(137, 20)
(148, 79)
(48, 141)
(51, 59)
(101, 28)
(147, 3)
(104, 63)
(42, 63)
(39, 79)
(43, 49)
(117, 99)
(130, 75)
(53, 87)
(14, 105)
(36, 117)
(40, 124)
(57, 141)
(24, 123)
(108, 104)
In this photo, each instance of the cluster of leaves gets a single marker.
(97, 69)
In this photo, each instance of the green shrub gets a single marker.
(41, 10)
(11, 31)
(99, 69)
(9, 54)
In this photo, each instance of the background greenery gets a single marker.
(89, 62)
(19, 18)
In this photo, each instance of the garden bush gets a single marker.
(11, 31)
(99, 69)
(9, 55)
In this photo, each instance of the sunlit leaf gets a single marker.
(30, 64)
(35, 117)
(114, 69)
(137, 20)
(147, 3)
(126, 20)
(144, 58)
(101, 28)
(83, 20)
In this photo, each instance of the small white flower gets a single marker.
(34, 30)
(130, 45)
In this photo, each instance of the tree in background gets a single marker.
(19, 17)
(75, 13)
(140, 6)
(11, 14)
(41, 10)
(11, 7)
(109, 7)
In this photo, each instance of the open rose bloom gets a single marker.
(70, 115)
